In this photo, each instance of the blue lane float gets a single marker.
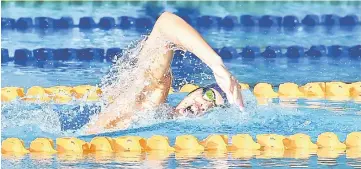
(44, 22)
(349, 20)
(125, 22)
(355, 51)
(106, 23)
(7, 23)
(22, 56)
(272, 52)
(295, 52)
(228, 53)
(64, 23)
(290, 21)
(206, 21)
(144, 23)
(87, 23)
(330, 20)
(336, 50)
(43, 54)
(311, 20)
(250, 52)
(24, 23)
(249, 20)
(88, 54)
(268, 21)
(65, 54)
(229, 22)
(316, 51)
(4, 55)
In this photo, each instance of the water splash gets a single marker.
(27, 120)
(127, 78)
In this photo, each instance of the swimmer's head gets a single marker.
(199, 101)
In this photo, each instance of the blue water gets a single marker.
(281, 117)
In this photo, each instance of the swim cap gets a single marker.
(219, 90)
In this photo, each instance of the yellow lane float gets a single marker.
(313, 90)
(187, 154)
(158, 143)
(353, 153)
(329, 153)
(13, 145)
(329, 140)
(130, 144)
(187, 143)
(337, 90)
(187, 146)
(11, 93)
(264, 90)
(133, 148)
(42, 145)
(60, 94)
(271, 153)
(289, 90)
(87, 92)
(244, 86)
(188, 88)
(215, 142)
(37, 94)
(102, 144)
(299, 153)
(243, 141)
(215, 154)
(171, 90)
(299, 141)
(71, 145)
(270, 141)
(158, 155)
(355, 90)
(245, 153)
(353, 140)
(129, 156)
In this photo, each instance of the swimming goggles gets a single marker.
(209, 95)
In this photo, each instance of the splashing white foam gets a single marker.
(127, 79)
(19, 119)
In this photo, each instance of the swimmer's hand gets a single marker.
(229, 85)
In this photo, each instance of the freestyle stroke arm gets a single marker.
(175, 30)
(180, 33)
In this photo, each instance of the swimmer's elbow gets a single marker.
(166, 16)
(166, 19)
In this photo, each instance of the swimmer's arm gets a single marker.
(180, 33)
(106, 122)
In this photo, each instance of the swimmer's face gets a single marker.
(198, 102)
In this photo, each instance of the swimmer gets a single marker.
(179, 33)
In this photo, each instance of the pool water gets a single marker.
(282, 117)
(28, 121)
